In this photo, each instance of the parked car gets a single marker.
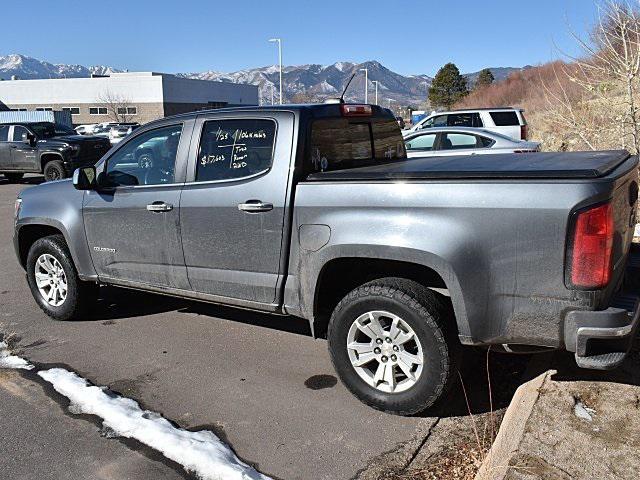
(508, 121)
(102, 129)
(441, 141)
(85, 129)
(314, 211)
(117, 133)
(37, 148)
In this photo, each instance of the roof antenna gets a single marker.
(345, 88)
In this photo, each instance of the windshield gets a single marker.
(43, 130)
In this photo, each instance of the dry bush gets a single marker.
(588, 102)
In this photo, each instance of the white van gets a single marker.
(508, 121)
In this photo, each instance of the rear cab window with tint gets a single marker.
(234, 149)
(340, 143)
(505, 119)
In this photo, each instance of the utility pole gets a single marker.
(375, 82)
(366, 84)
(279, 61)
(426, 85)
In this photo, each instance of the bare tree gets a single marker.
(118, 106)
(608, 73)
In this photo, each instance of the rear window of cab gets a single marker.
(340, 143)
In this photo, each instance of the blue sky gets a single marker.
(195, 35)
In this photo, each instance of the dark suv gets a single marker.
(38, 148)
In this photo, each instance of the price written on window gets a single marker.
(232, 147)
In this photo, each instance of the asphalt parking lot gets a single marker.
(260, 382)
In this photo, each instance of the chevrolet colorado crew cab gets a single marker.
(314, 211)
(36, 147)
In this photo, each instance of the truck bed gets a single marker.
(539, 165)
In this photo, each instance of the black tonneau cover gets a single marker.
(503, 165)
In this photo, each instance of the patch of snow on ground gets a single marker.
(11, 361)
(199, 452)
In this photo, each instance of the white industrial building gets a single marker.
(129, 96)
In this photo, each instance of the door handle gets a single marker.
(159, 207)
(255, 206)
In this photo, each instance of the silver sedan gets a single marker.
(463, 141)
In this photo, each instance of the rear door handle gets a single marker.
(255, 206)
(159, 207)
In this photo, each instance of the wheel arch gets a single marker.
(47, 157)
(341, 273)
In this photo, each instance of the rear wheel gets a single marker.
(392, 342)
(14, 177)
(54, 282)
(54, 170)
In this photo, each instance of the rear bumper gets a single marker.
(602, 339)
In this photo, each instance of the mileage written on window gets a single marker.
(231, 149)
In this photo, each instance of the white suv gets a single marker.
(508, 121)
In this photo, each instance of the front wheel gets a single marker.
(54, 282)
(54, 170)
(393, 345)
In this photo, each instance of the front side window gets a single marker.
(19, 133)
(454, 141)
(423, 142)
(439, 121)
(148, 159)
(233, 149)
(4, 133)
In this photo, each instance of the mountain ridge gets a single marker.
(309, 82)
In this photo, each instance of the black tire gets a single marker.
(431, 318)
(80, 295)
(54, 170)
(14, 177)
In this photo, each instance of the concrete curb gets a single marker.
(512, 429)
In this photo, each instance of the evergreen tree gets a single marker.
(447, 87)
(485, 78)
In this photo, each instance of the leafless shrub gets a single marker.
(117, 106)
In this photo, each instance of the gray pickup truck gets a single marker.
(314, 211)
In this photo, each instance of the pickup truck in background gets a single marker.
(43, 147)
(315, 211)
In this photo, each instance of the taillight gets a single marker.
(356, 110)
(524, 132)
(589, 252)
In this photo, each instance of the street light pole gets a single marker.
(426, 84)
(279, 61)
(272, 91)
(375, 82)
(366, 84)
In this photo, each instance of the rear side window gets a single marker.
(454, 141)
(484, 142)
(338, 143)
(504, 119)
(4, 133)
(231, 149)
(464, 120)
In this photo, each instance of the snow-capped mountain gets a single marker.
(28, 68)
(312, 82)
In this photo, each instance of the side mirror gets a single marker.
(85, 178)
(29, 139)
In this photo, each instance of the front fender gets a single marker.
(57, 205)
